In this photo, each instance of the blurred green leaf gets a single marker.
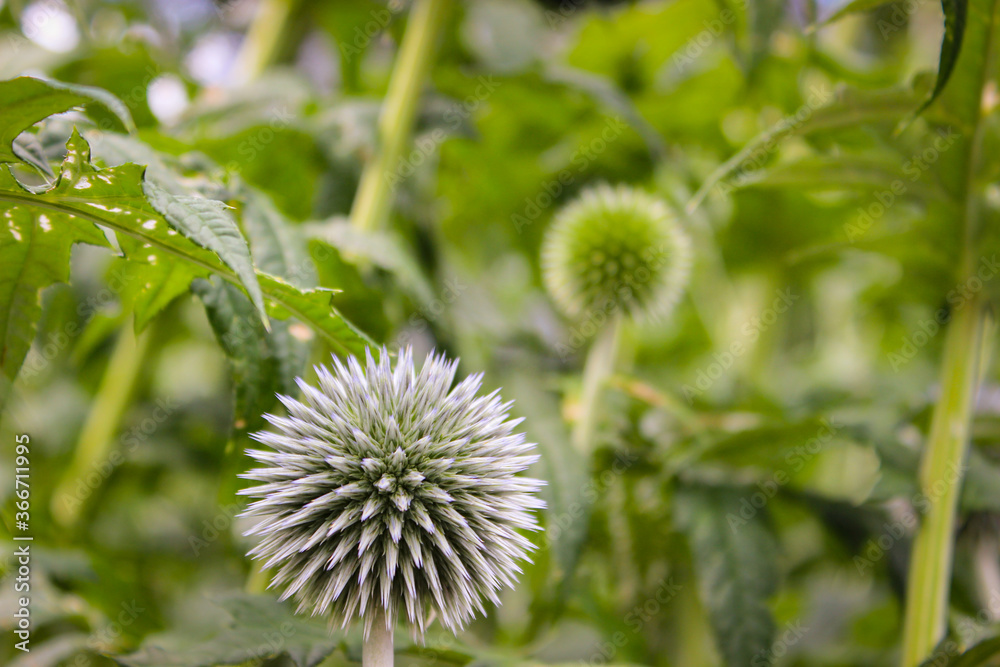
(955, 12)
(736, 565)
(983, 653)
(260, 628)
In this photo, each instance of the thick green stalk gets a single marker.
(941, 477)
(94, 447)
(395, 124)
(947, 445)
(262, 39)
(597, 370)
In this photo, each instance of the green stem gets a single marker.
(597, 370)
(966, 349)
(941, 480)
(93, 449)
(262, 39)
(395, 124)
(377, 649)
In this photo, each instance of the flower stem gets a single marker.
(377, 650)
(941, 476)
(413, 64)
(262, 39)
(97, 437)
(598, 368)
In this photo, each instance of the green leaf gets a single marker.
(262, 365)
(982, 653)
(260, 628)
(278, 247)
(30, 150)
(848, 108)
(955, 13)
(830, 173)
(34, 253)
(383, 249)
(569, 496)
(207, 223)
(607, 94)
(25, 101)
(736, 564)
(114, 198)
(315, 308)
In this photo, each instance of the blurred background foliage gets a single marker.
(753, 494)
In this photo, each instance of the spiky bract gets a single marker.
(387, 490)
(616, 250)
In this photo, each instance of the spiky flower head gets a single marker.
(616, 250)
(388, 490)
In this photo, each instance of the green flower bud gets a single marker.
(616, 250)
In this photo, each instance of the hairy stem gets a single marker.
(97, 437)
(377, 650)
(596, 372)
(395, 124)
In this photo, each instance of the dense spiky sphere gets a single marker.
(616, 250)
(388, 489)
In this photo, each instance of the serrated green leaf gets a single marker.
(261, 627)
(25, 101)
(34, 253)
(114, 198)
(736, 566)
(207, 223)
(315, 308)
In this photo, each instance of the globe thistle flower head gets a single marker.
(616, 250)
(387, 490)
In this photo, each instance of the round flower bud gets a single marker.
(616, 250)
(386, 490)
